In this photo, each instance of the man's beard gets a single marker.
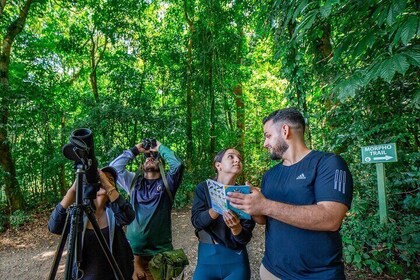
(278, 151)
(151, 168)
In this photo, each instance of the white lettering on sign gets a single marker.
(379, 153)
(378, 148)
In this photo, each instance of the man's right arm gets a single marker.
(124, 177)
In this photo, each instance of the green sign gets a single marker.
(379, 153)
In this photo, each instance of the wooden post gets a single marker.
(380, 172)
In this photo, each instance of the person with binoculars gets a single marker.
(151, 194)
(112, 212)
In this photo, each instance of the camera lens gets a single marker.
(146, 144)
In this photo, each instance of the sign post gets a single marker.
(379, 154)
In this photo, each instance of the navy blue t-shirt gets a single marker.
(294, 253)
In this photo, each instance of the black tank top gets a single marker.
(94, 262)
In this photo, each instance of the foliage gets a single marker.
(200, 75)
(4, 219)
(18, 218)
(368, 244)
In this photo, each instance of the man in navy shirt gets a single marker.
(303, 201)
(152, 200)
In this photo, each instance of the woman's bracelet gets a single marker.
(110, 191)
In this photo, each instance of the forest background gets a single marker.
(199, 76)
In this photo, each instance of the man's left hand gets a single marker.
(252, 203)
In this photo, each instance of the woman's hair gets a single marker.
(218, 158)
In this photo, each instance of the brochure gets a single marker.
(218, 193)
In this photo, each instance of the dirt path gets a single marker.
(28, 253)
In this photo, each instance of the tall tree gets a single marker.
(189, 89)
(238, 90)
(11, 30)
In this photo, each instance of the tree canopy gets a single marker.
(199, 76)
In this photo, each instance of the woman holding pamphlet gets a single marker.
(223, 231)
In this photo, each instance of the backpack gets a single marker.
(168, 265)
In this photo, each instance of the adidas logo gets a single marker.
(301, 177)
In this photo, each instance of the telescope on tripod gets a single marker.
(80, 149)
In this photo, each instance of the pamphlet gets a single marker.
(219, 203)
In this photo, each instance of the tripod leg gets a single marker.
(60, 249)
(103, 244)
(74, 240)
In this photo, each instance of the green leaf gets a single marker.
(395, 9)
(342, 48)
(409, 29)
(325, 10)
(357, 258)
(289, 17)
(305, 24)
(413, 56)
(299, 9)
(380, 14)
(401, 64)
(373, 72)
(364, 44)
(346, 88)
(387, 70)
(397, 36)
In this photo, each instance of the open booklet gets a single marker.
(219, 203)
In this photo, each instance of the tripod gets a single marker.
(74, 229)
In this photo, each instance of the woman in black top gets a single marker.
(112, 212)
(222, 250)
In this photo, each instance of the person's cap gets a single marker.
(112, 171)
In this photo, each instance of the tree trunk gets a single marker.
(228, 112)
(92, 75)
(62, 170)
(2, 5)
(298, 83)
(190, 146)
(239, 96)
(12, 190)
(212, 107)
(93, 78)
(240, 117)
